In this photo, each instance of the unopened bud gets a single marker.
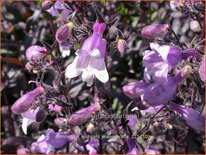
(121, 46)
(25, 102)
(155, 30)
(35, 52)
(83, 115)
(47, 4)
(195, 26)
(62, 33)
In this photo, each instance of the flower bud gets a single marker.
(99, 28)
(154, 30)
(35, 52)
(47, 4)
(81, 116)
(195, 26)
(25, 102)
(62, 33)
(121, 46)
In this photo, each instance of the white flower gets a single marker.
(89, 64)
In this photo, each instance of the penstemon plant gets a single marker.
(83, 102)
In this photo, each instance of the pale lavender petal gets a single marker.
(72, 70)
(162, 50)
(100, 70)
(151, 57)
(30, 114)
(59, 4)
(53, 11)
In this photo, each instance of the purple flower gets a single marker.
(59, 8)
(135, 89)
(62, 33)
(162, 59)
(202, 69)
(24, 103)
(90, 59)
(29, 117)
(156, 93)
(132, 146)
(192, 117)
(154, 30)
(35, 52)
(81, 116)
(51, 141)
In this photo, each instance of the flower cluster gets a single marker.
(76, 92)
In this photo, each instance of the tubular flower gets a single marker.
(24, 103)
(156, 93)
(59, 8)
(90, 59)
(161, 60)
(154, 30)
(31, 116)
(191, 116)
(82, 115)
(35, 52)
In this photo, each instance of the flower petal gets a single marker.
(100, 70)
(88, 76)
(72, 70)
(162, 50)
(26, 122)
